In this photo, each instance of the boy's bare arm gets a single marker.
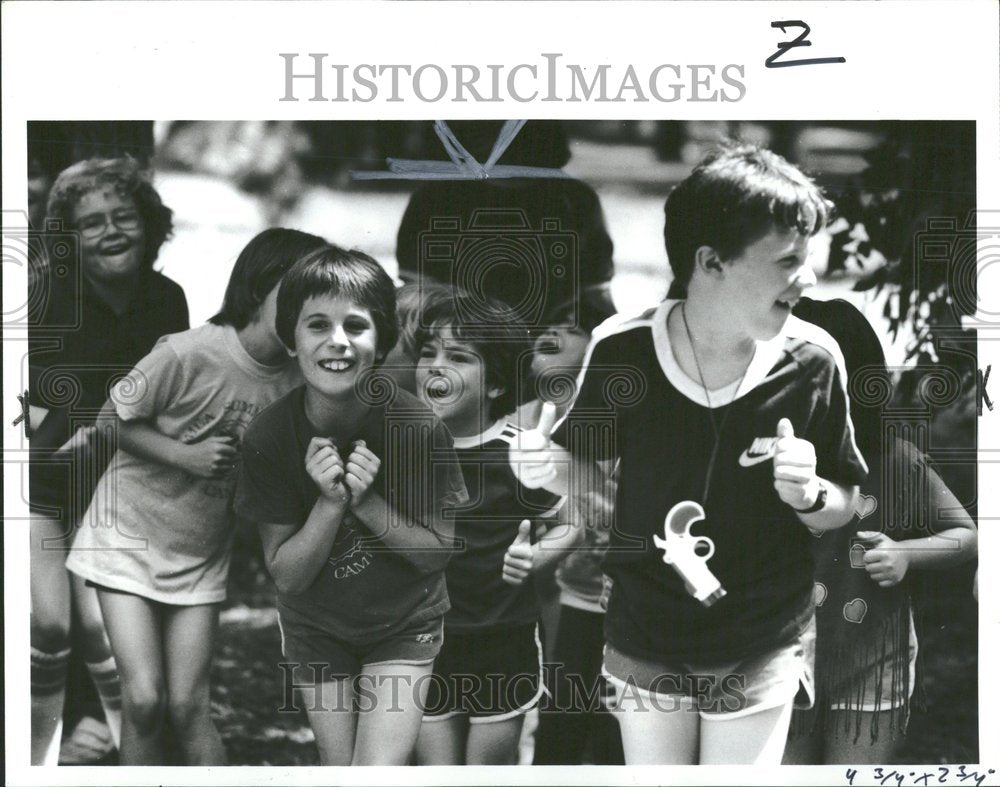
(295, 555)
(426, 546)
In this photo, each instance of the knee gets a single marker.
(186, 711)
(49, 633)
(144, 704)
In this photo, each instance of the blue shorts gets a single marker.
(728, 690)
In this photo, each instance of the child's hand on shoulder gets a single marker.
(212, 457)
(795, 468)
(885, 560)
(326, 469)
(362, 467)
(520, 557)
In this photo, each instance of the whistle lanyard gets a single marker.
(716, 430)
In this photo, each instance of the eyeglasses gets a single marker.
(93, 225)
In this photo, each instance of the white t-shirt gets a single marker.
(155, 530)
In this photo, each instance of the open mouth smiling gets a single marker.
(336, 364)
(116, 247)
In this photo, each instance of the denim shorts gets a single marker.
(737, 688)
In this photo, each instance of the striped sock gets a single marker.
(109, 689)
(48, 694)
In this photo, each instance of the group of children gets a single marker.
(415, 490)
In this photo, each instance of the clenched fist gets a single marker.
(326, 469)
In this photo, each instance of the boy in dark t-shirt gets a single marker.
(487, 675)
(728, 419)
(347, 479)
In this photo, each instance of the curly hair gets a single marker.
(128, 179)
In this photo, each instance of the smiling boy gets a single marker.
(348, 479)
(487, 675)
(738, 407)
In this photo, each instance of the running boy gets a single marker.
(727, 404)
(487, 675)
(346, 478)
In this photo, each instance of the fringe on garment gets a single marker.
(844, 671)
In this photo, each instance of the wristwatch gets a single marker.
(818, 505)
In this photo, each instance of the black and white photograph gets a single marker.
(440, 439)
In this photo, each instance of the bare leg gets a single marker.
(754, 739)
(134, 627)
(97, 653)
(657, 731)
(329, 708)
(495, 742)
(189, 634)
(443, 742)
(390, 712)
(50, 629)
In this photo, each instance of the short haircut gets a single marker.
(128, 179)
(258, 269)
(339, 273)
(733, 198)
(488, 326)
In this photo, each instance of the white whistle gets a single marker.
(680, 551)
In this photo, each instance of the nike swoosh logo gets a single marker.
(749, 460)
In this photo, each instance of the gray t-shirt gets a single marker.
(158, 531)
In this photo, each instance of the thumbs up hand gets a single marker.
(795, 468)
(530, 456)
(520, 557)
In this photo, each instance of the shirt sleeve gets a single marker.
(262, 489)
(837, 455)
(587, 428)
(449, 490)
(151, 386)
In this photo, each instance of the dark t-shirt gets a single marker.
(365, 589)
(79, 348)
(486, 527)
(637, 407)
